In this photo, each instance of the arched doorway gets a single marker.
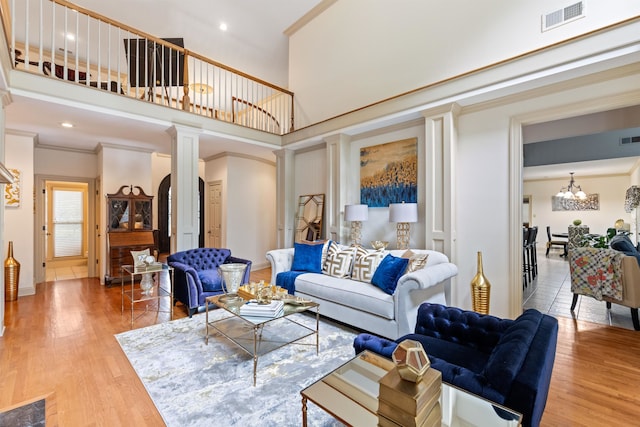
(164, 209)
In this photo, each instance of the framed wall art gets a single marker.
(591, 203)
(389, 173)
(12, 191)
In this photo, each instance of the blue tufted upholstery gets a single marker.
(506, 361)
(193, 265)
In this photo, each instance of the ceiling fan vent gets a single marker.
(562, 16)
(629, 140)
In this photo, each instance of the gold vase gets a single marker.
(480, 290)
(11, 276)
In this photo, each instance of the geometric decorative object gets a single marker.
(403, 214)
(411, 360)
(309, 217)
(480, 290)
(356, 214)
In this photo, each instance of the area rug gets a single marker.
(195, 384)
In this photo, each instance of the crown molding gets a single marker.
(309, 16)
(226, 154)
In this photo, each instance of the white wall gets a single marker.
(19, 221)
(360, 52)
(65, 163)
(611, 190)
(249, 205)
(483, 185)
(378, 227)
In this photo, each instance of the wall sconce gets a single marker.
(403, 213)
(356, 214)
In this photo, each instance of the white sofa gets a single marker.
(366, 306)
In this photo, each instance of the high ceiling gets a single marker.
(254, 43)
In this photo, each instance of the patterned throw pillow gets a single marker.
(365, 264)
(416, 261)
(338, 262)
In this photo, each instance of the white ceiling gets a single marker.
(591, 168)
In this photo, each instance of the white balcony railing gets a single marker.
(60, 40)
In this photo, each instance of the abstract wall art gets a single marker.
(389, 173)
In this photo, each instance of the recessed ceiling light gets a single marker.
(66, 125)
(223, 26)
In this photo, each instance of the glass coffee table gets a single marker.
(261, 335)
(350, 395)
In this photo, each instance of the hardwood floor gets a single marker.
(59, 343)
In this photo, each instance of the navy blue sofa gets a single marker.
(196, 275)
(506, 361)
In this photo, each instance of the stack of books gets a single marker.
(252, 308)
(408, 404)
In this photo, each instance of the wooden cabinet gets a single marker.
(130, 228)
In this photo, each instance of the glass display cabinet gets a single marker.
(129, 228)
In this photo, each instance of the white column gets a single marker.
(185, 227)
(285, 203)
(338, 150)
(439, 196)
(5, 97)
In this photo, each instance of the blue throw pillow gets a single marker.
(622, 243)
(388, 272)
(211, 280)
(307, 257)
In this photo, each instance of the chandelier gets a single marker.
(573, 191)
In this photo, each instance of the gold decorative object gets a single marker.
(379, 244)
(480, 290)
(411, 360)
(11, 276)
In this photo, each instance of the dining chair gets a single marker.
(551, 243)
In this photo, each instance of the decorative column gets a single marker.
(285, 198)
(185, 227)
(338, 175)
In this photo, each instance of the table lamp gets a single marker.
(403, 214)
(356, 214)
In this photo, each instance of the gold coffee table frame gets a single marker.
(261, 335)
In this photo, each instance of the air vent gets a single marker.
(562, 16)
(629, 140)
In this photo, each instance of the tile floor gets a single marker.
(64, 273)
(551, 293)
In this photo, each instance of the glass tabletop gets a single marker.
(235, 308)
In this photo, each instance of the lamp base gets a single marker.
(356, 232)
(403, 234)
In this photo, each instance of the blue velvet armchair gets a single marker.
(506, 361)
(196, 275)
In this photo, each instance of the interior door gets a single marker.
(67, 224)
(215, 215)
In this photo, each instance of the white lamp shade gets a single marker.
(403, 212)
(356, 212)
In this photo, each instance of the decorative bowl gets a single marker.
(379, 244)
